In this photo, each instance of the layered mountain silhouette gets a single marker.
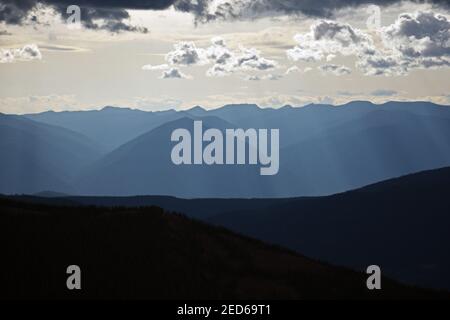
(323, 150)
(111, 127)
(352, 190)
(144, 166)
(148, 253)
(37, 156)
(400, 224)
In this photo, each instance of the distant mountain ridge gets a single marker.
(37, 156)
(323, 150)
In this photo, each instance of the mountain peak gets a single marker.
(112, 108)
(197, 108)
(358, 103)
(243, 105)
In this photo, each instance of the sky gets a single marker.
(164, 54)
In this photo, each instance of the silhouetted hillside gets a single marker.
(401, 224)
(148, 253)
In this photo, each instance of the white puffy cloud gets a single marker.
(219, 70)
(296, 69)
(168, 71)
(251, 59)
(27, 53)
(423, 34)
(421, 39)
(328, 38)
(221, 57)
(335, 69)
(174, 73)
(417, 40)
(302, 53)
(218, 51)
(185, 53)
(382, 64)
(224, 60)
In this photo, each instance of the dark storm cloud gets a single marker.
(115, 14)
(243, 9)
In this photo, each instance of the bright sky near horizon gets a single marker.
(214, 52)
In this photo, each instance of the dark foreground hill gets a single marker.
(148, 253)
(401, 224)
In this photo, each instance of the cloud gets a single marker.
(252, 78)
(32, 104)
(423, 34)
(113, 15)
(162, 103)
(150, 67)
(422, 37)
(418, 40)
(209, 10)
(251, 59)
(296, 69)
(384, 93)
(174, 73)
(347, 93)
(219, 70)
(224, 60)
(326, 39)
(27, 53)
(382, 64)
(95, 14)
(292, 69)
(272, 77)
(186, 53)
(335, 69)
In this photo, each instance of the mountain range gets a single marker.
(400, 224)
(324, 150)
(149, 253)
